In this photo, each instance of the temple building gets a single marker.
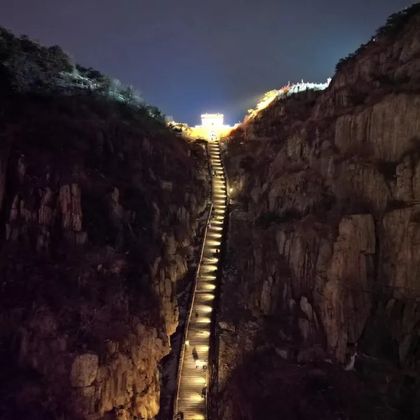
(212, 127)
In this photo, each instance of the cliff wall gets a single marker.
(322, 259)
(101, 210)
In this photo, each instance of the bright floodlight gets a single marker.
(212, 120)
(212, 127)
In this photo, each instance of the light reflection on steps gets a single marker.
(193, 380)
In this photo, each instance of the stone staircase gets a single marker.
(191, 398)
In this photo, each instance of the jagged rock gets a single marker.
(70, 205)
(226, 326)
(84, 370)
(376, 129)
(306, 307)
(346, 303)
(401, 230)
(323, 233)
(166, 185)
(283, 353)
(93, 254)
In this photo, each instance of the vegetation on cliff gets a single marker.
(26, 66)
(394, 24)
(321, 291)
(99, 207)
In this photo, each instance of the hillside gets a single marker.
(322, 262)
(101, 209)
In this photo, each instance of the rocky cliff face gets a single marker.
(99, 209)
(322, 261)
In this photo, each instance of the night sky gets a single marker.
(194, 56)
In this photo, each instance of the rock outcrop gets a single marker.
(322, 261)
(101, 209)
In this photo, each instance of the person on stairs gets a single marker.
(195, 356)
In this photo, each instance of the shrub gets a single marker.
(393, 26)
(27, 67)
(397, 21)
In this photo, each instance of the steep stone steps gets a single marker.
(193, 377)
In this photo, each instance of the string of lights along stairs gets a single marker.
(191, 398)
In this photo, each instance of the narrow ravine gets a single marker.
(191, 399)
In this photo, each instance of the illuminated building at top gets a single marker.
(212, 127)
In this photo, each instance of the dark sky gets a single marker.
(194, 56)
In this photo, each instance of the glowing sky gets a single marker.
(195, 56)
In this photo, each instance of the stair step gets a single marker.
(193, 378)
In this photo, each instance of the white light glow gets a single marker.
(202, 334)
(206, 296)
(287, 90)
(195, 397)
(207, 277)
(212, 128)
(207, 287)
(209, 268)
(211, 251)
(214, 243)
(205, 308)
(214, 235)
(197, 416)
(202, 348)
(203, 320)
(213, 260)
(197, 380)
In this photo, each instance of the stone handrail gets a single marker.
(186, 326)
(181, 357)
